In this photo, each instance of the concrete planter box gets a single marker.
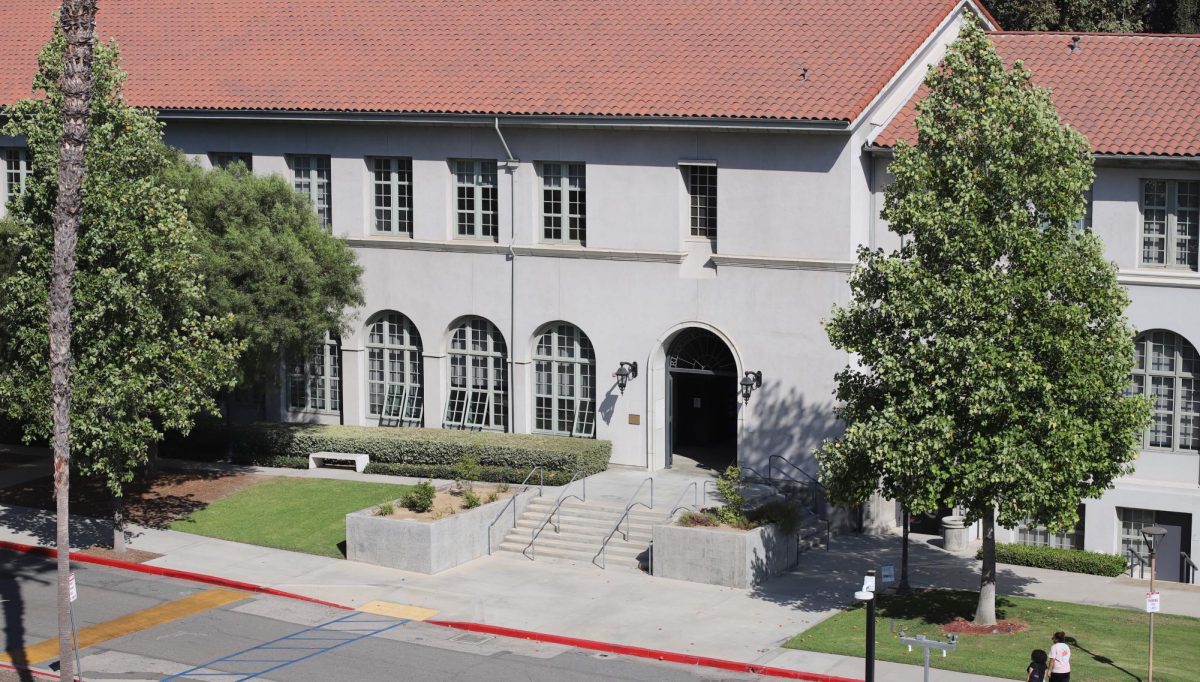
(435, 545)
(723, 557)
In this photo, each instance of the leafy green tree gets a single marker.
(1174, 16)
(1070, 15)
(267, 264)
(992, 352)
(144, 357)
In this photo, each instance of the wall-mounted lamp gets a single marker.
(627, 371)
(749, 382)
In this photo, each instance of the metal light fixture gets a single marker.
(1152, 535)
(627, 371)
(749, 382)
(867, 595)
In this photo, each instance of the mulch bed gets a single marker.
(131, 555)
(961, 626)
(154, 503)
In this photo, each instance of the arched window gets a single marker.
(315, 382)
(394, 392)
(1168, 370)
(565, 382)
(478, 396)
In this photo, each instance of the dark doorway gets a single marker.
(1168, 560)
(702, 394)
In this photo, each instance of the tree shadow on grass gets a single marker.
(1105, 660)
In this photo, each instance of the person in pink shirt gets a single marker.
(1060, 658)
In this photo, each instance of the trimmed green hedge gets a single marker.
(1072, 560)
(425, 453)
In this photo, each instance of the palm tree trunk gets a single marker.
(79, 25)
(985, 612)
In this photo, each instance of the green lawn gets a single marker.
(1107, 644)
(301, 514)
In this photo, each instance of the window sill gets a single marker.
(539, 250)
(1160, 277)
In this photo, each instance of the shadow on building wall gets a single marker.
(785, 424)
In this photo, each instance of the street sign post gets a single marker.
(927, 644)
(1153, 602)
(74, 633)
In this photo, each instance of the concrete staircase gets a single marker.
(582, 528)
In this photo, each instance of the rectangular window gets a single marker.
(564, 213)
(1029, 533)
(314, 382)
(1170, 223)
(393, 195)
(227, 159)
(702, 198)
(1132, 523)
(310, 177)
(476, 198)
(16, 172)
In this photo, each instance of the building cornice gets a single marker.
(770, 263)
(535, 250)
(1179, 280)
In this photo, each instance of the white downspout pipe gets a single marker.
(511, 162)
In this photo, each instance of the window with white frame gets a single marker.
(227, 159)
(1132, 523)
(1168, 370)
(1030, 533)
(315, 382)
(310, 177)
(393, 195)
(394, 392)
(478, 396)
(701, 183)
(564, 213)
(1170, 223)
(564, 382)
(16, 172)
(477, 205)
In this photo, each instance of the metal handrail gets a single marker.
(537, 530)
(675, 506)
(1190, 568)
(625, 517)
(704, 490)
(813, 512)
(1141, 561)
(511, 502)
(814, 479)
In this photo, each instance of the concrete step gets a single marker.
(636, 533)
(611, 562)
(582, 543)
(542, 506)
(572, 550)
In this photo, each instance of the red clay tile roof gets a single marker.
(1130, 94)
(704, 58)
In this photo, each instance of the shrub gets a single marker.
(424, 453)
(492, 496)
(783, 514)
(420, 498)
(729, 486)
(1072, 560)
(467, 472)
(691, 519)
(502, 487)
(471, 499)
(384, 509)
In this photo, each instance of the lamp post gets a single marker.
(627, 371)
(867, 594)
(1152, 535)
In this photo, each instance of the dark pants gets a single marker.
(1060, 677)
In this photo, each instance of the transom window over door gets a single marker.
(565, 382)
(564, 213)
(475, 193)
(1168, 370)
(701, 183)
(478, 397)
(310, 177)
(393, 195)
(394, 393)
(1170, 223)
(315, 382)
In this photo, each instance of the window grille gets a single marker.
(565, 382)
(1170, 223)
(311, 176)
(702, 194)
(478, 395)
(393, 195)
(564, 211)
(315, 382)
(1167, 368)
(476, 197)
(394, 387)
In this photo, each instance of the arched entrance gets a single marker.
(702, 395)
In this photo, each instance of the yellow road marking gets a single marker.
(384, 608)
(134, 622)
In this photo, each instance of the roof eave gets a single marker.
(518, 120)
(1157, 160)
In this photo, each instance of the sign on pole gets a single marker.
(889, 573)
(71, 586)
(869, 582)
(1152, 602)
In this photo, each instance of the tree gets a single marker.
(1070, 15)
(992, 352)
(1174, 16)
(267, 264)
(144, 357)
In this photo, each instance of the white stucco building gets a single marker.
(539, 199)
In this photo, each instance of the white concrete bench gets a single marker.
(317, 459)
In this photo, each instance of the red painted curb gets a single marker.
(33, 671)
(639, 652)
(167, 573)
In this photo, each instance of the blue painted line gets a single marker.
(279, 644)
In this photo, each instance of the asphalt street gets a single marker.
(134, 626)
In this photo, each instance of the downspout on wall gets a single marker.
(511, 164)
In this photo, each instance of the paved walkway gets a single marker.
(580, 600)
